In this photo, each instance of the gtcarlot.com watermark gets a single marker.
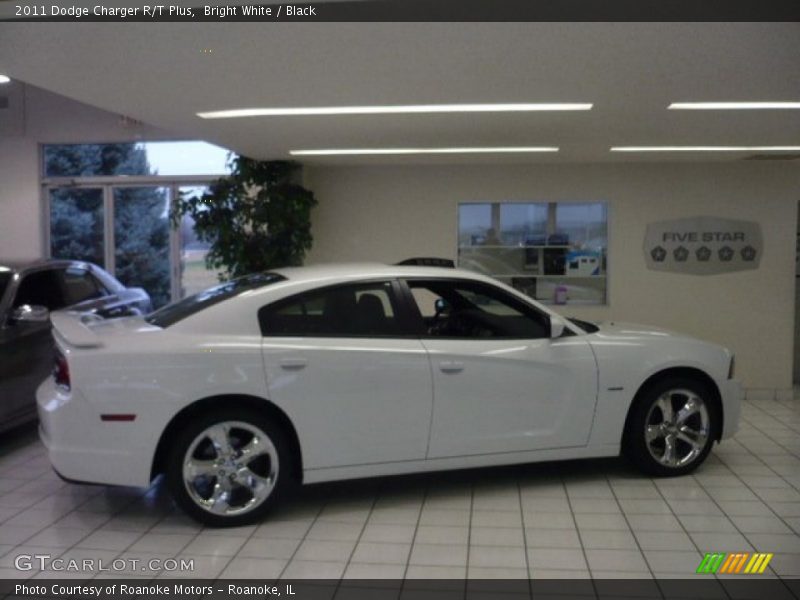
(45, 562)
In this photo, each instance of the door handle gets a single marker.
(292, 364)
(451, 366)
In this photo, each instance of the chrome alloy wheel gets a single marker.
(230, 468)
(677, 428)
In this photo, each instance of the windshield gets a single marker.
(177, 311)
(5, 278)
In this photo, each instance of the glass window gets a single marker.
(522, 224)
(555, 252)
(141, 240)
(343, 311)
(134, 158)
(474, 223)
(195, 276)
(177, 311)
(79, 285)
(464, 309)
(76, 224)
(105, 282)
(187, 158)
(583, 224)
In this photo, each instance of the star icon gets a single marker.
(680, 253)
(703, 253)
(748, 254)
(658, 254)
(726, 254)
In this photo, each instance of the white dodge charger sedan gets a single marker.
(334, 372)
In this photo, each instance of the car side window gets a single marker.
(359, 310)
(79, 285)
(469, 309)
(102, 290)
(40, 288)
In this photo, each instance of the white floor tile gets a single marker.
(377, 552)
(441, 555)
(542, 522)
(497, 556)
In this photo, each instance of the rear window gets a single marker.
(177, 311)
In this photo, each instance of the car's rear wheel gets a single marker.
(672, 427)
(229, 467)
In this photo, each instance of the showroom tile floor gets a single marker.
(559, 520)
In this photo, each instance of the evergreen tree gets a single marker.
(141, 221)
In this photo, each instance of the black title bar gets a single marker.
(411, 11)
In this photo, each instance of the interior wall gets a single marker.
(37, 117)
(389, 213)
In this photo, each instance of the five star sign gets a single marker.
(726, 254)
(681, 254)
(703, 245)
(658, 254)
(748, 254)
(703, 253)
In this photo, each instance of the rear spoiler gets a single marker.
(72, 329)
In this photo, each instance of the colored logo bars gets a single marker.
(734, 563)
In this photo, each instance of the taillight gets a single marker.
(61, 371)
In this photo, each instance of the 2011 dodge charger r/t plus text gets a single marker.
(314, 374)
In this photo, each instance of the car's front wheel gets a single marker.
(229, 467)
(672, 427)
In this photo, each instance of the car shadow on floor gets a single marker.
(363, 491)
(488, 478)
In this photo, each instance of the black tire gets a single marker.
(242, 422)
(652, 456)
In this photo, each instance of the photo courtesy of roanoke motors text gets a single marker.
(400, 299)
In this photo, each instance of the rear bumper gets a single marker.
(84, 449)
(732, 394)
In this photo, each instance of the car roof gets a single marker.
(330, 271)
(39, 263)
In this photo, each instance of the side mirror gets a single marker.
(30, 314)
(557, 327)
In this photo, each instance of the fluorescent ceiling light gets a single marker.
(391, 110)
(4, 79)
(705, 149)
(380, 151)
(732, 105)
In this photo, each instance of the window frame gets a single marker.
(396, 296)
(107, 184)
(421, 330)
(538, 260)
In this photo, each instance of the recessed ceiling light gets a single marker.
(705, 148)
(379, 151)
(733, 105)
(392, 110)
(4, 79)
